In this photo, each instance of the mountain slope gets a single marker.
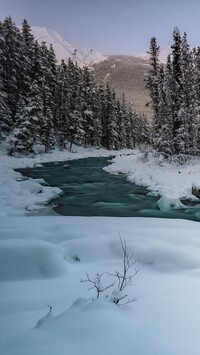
(126, 74)
(164, 52)
(65, 49)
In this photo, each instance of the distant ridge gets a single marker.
(126, 74)
(64, 49)
(164, 52)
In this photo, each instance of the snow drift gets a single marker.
(29, 260)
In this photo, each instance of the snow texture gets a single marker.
(65, 49)
(167, 287)
(169, 180)
(43, 259)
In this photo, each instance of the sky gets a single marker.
(110, 26)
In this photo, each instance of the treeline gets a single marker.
(175, 94)
(43, 104)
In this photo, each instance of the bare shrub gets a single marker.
(124, 278)
(96, 284)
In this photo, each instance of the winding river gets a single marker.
(90, 191)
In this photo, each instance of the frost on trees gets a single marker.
(43, 103)
(174, 92)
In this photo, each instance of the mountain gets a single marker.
(126, 74)
(164, 52)
(65, 49)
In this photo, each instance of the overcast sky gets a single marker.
(110, 26)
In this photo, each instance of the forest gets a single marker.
(45, 104)
(175, 96)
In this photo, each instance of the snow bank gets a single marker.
(170, 180)
(29, 260)
(19, 196)
(167, 204)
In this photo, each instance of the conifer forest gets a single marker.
(175, 96)
(45, 104)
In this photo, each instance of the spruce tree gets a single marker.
(11, 63)
(43, 103)
(61, 108)
(152, 83)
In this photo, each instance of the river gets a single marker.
(90, 191)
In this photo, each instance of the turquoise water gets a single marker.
(89, 191)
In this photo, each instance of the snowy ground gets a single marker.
(170, 181)
(43, 259)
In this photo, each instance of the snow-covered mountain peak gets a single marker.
(65, 49)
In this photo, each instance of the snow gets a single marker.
(167, 204)
(107, 76)
(169, 180)
(65, 49)
(29, 259)
(44, 258)
(166, 287)
(19, 196)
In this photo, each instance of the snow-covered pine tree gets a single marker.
(178, 110)
(61, 108)
(188, 98)
(28, 45)
(75, 129)
(121, 122)
(28, 38)
(152, 83)
(176, 102)
(23, 136)
(196, 89)
(110, 118)
(163, 139)
(130, 128)
(102, 111)
(27, 135)
(47, 81)
(5, 113)
(97, 119)
(87, 94)
(42, 102)
(11, 63)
